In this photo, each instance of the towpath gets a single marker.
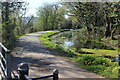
(42, 61)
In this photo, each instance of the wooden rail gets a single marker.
(23, 70)
(5, 63)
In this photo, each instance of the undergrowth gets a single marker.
(93, 63)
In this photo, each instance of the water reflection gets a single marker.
(67, 44)
(77, 39)
(116, 59)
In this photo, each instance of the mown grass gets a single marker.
(102, 52)
(91, 62)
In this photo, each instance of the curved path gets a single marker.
(42, 62)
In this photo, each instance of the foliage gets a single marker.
(45, 39)
(86, 60)
(93, 60)
(13, 22)
(100, 18)
(98, 65)
(50, 17)
(110, 41)
(9, 13)
(94, 63)
(53, 18)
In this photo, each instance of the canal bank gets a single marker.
(104, 68)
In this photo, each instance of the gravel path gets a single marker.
(42, 62)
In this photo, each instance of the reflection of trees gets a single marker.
(79, 40)
(68, 35)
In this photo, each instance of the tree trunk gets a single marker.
(107, 30)
(89, 29)
(5, 21)
(112, 33)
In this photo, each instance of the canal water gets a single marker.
(77, 39)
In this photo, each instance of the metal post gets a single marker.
(8, 64)
(55, 74)
(23, 70)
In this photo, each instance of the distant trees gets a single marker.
(50, 17)
(97, 18)
(100, 18)
(20, 23)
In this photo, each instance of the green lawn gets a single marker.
(102, 52)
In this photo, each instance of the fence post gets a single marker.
(8, 64)
(23, 70)
(55, 74)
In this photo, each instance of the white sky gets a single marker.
(34, 4)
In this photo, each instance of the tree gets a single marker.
(42, 20)
(96, 16)
(50, 17)
(9, 12)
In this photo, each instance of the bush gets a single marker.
(93, 60)
(99, 65)
(96, 68)
(110, 72)
(101, 61)
(86, 60)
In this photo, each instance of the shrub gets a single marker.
(110, 72)
(96, 68)
(101, 61)
(86, 59)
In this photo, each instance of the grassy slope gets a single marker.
(93, 63)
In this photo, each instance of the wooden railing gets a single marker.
(23, 68)
(5, 63)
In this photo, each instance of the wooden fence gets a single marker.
(5, 63)
(23, 68)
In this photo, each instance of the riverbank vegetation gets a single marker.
(13, 22)
(99, 19)
(95, 40)
(92, 62)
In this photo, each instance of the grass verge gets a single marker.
(21, 35)
(101, 52)
(93, 63)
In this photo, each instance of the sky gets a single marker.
(34, 4)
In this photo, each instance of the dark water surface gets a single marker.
(77, 39)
